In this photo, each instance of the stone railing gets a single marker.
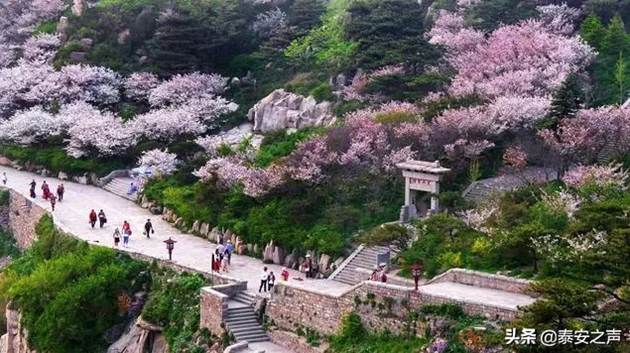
(483, 280)
(120, 173)
(237, 347)
(346, 262)
(231, 289)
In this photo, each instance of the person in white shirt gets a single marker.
(220, 251)
(263, 280)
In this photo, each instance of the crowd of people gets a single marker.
(46, 193)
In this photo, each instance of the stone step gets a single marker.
(245, 328)
(254, 338)
(244, 298)
(239, 322)
(240, 316)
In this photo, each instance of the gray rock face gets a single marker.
(86, 43)
(268, 252)
(284, 110)
(137, 336)
(195, 227)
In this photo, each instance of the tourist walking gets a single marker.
(271, 280)
(224, 264)
(60, 191)
(126, 235)
(102, 219)
(148, 228)
(374, 276)
(45, 190)
(33, 185)
(53, 201)
(132, 189)
(116, 237)
(93, 218)
(4, 178)
(220, 251)
(228, 251)
(264, 276)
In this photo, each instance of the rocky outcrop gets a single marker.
(16, 338)
(286, 110)
(236, 135)
(140, 336)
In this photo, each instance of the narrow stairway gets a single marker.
(365, 259)
(120, 186)
(242, 321)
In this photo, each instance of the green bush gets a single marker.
(395, 118)
(56, 160)
(279, 143)
(49, 27)
(353, 337)
(174, 305)
(67, 292)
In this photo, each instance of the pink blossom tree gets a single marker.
(529, 58)
(611, 175)
(182, 88)
(139, 85)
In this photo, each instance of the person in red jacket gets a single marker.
(93, 218)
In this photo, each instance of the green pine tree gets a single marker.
(566, 102)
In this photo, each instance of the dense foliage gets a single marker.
(174, 304)
(39, 284)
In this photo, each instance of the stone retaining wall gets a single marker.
(213, 310)
(380, 305)
(484, 280)
(293, 342)
(23, 217)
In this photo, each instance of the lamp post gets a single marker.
(170, 245)
(416, 272)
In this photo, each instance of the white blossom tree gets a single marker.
(95, 133)
(29, 127)
(161, 162)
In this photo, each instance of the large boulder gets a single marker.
(204, 229)
(284, 110)
(195, 227)
(324, 262)
(268, 253)
(155, 209)
(5, 161)
(278, 255)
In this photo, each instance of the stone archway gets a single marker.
(420, 176)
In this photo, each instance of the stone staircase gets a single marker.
(481, 189)
(242, 321)
(363, 257)
(120, 186)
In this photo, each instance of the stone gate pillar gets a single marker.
(420, 176)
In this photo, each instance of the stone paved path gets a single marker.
(192, 251)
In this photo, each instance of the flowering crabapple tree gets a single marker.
(139, 85)
(528, 58)
(29, 127)
(182, 88)
(603, 176)
(161, 162)
(96, 133)
(270, 23)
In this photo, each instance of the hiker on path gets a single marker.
(228, 251)
(102, 219)
(45, 190)
(374, 276)
(284, 275)
(116, 237)
(264, 276)
(148, 228)
(216, 265)
(132, 189)
(271, 280)
(53, 201)
(126, 234)
(220, 251)
(33, 185)
(93, 218)
(60, 191)
(4, 178)
(224, 264)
